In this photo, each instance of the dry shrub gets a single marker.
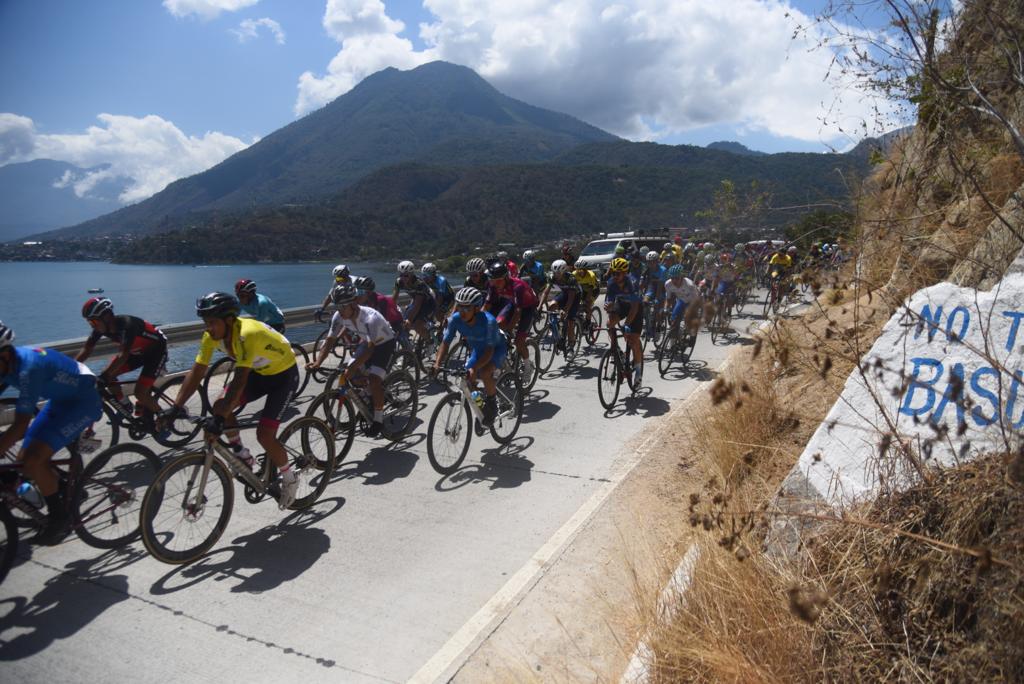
(904, 609)
(733, 625)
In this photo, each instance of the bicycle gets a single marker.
(654, 324)
(449, 433)
(101, 499)
(176, 433)
(615, 366)
(515, 361)
(677, 345)
(721, 318)
(222, 371)
(344, 408)
(773, 299)
(184, 496)
(554, 342)
(589, 324)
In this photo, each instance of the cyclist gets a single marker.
(677, 248)
(72, 405)
(423, 303)
(622, 302)
(780, 266)
(588, 283)
(476, 275)
(513, 269)
(341, 275)
(680, 295)
(637, 266)
(487, 346)
(140, 345)
(652, 282)
(367, 295)
(513, 304)
(376, 346)
(666, 251)
(567, 254)
(724, 284)
(444, 295)
(533, 269)
(258, 306)
(567, 301)
(264, 366)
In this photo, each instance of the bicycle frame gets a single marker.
(235, 465)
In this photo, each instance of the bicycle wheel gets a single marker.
(8, 543)
(628, 363)
(336, 410)
(510, 408)
(113, 424)
(572, 350)
(181, 430)
(108, 496)
(767, 302)
(404, 360)
(458, 354)
(548, 347)
(668, 353)
(310, 447)
(301, 358)
(401, 402)
(533, 351)
(218, 377)
(716, 322)
(596, 320)
(175, 529)
(608, 378)
(338, 351)
(449, 433)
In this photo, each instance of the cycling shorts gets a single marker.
(278, 390)
(563, 298)
(379, 360)
(621, 310)
(497, 359)
(152, 361)
(60, 422)
(424, 314)
(525, 322)
(724, 287)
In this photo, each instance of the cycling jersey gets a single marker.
(782, 260)
(626, 292)
(70, 388)
(254, 345)
(263, 309)
(685, 290)
(481, 335)
(133, 334)
(515, 294)
(535, 270)
(652, 280)
(369, 325)
(441, 287)
(567, 283)
(416, 287)
(587, 280)
(385, 306)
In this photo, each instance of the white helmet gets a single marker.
(528, 255)
(405, 267)
(429, 268)
(469, 296)
(476, 265)
(580, 263)
(740, 246)
(792, 249)
(558, 266)
(340, 271)
(652, 256)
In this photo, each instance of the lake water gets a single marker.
(42, 301)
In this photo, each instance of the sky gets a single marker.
(158, 90)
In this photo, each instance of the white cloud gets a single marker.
(150, 151)
(641, 69)
(249, 29)
(205, 9)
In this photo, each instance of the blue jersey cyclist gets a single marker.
(532, 271)
(622, 302)
(72, 405)
(652, 283)
(486, 344)
(257, 305)
(444, 295)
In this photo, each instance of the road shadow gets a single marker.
(535, 411)
(263, 560)
(380, 465)
(642, 402)
(691, 370)
(66, 603)
(502, 467)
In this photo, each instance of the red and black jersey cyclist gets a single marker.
(140, 345)
(622, 302)
(514, 304)
(423, 303)
(367, 295)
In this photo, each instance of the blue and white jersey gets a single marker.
(47, 374)
(262, 309)
(483, 333)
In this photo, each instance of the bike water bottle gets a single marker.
(30, 494)
(478, 398)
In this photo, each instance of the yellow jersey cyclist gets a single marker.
(622, 302)
(72, 405)
(264, 367)
(780, 266)
(588, 283)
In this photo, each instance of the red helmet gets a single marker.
(245, 285)
(96, 307)
(678, 240)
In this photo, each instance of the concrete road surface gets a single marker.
(394, 574)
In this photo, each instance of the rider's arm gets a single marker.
(484, 358)
(360, 360)
(222, 407)
(90, 344)
(190, 384)
(417, 304)
(15, 432)
(325, 350)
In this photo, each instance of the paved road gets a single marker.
(370, 585)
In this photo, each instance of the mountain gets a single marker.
(33, 197)
(734, 147)
(438, 113)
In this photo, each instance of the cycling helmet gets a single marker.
(559, 266)
(528, 255)
(340, 271)
(667, 246)
(502, 254)
(217, 305)
(620, 250)
(476, 265)
(469, 296)
(245, 285)
(6, 336)
(675, 271)
(580, 263)
(709, 259)
(618, 266)
(497, 269)
(678, 240)
(689, 247)
(406, 267)
(652, 256)
(709, 246)
(791, 250)
(727, 258)
(343, 294)
(428, 269)
(365, 284)
(96, 307)
(740, 246)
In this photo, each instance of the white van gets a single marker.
(598, 254)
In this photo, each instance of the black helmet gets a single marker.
(497, 269)
(342, 294)
(365, 284)
(217, 305)
(96, 307)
